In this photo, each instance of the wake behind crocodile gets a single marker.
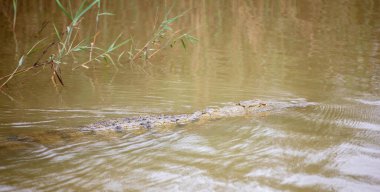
(149, 122)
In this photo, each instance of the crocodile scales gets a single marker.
(148, 122)
(241, 108)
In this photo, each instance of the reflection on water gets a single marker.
(326, 52)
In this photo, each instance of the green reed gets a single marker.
(66, 42)
(163, 37)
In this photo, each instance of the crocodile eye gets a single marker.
(262, 104)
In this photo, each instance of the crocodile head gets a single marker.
(251, 103)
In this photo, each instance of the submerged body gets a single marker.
(147, 122)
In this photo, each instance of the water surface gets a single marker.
(324, 52)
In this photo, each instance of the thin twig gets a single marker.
(10, 76)
(92, 45)
(10, 97)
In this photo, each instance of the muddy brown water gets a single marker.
(326, 52)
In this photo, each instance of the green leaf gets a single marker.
(31, 49)
(166, 27)
(57, 33)
(113, 46)
(106, 14)
(109, 58)
(80, 13)
(105, 59)
(80, 48)
(171, 20)
(80, 7)
(64, 10)
(190, 38)
(15, 6)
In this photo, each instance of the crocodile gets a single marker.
(241, 108)
(149, 122)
